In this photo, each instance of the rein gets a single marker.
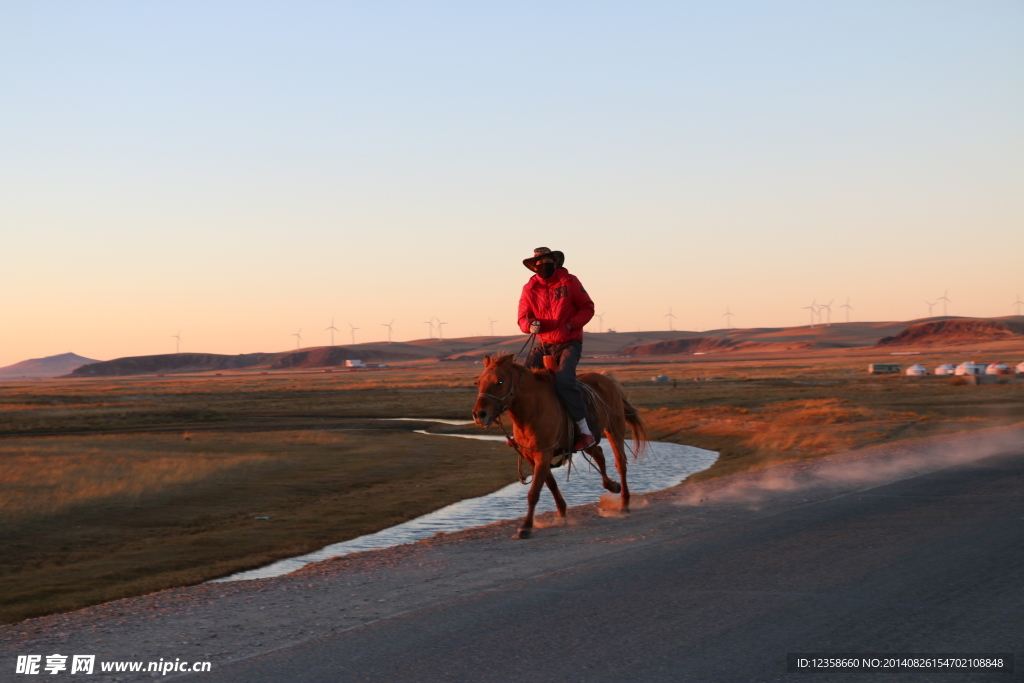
(511, 441)
(529, 340)
(503, 404)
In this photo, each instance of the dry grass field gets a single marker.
(93, 518)
(116, 487)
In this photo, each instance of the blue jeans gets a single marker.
(567, 356)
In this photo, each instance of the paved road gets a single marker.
(933, 563)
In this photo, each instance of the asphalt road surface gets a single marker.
(929, 564)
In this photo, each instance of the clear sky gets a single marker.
(243, 170)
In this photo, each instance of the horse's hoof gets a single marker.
(522, 533)
(614, 487)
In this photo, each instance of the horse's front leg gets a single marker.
(541, 470)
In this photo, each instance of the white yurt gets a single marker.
(969, 367)
(917, 370)
(945, 369)
(997, 368)
(1020, 368)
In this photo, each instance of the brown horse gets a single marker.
(541, 427)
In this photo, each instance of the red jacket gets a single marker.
(560, 302)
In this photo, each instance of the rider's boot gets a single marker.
(586, 439)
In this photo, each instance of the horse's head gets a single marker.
(495, 387)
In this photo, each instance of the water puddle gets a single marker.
(664, 465)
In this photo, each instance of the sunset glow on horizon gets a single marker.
(241, 172)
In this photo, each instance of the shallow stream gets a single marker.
(662, 466)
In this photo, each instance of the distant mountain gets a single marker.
(179, 363)
(170, 363)
(957, 331)
(596, 344)
(41, 368)
(469, 349)
(673, 347)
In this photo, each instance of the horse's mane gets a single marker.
(502, 358)
(542, 374)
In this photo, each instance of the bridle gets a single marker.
(505, 401)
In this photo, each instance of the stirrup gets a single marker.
(561, 458)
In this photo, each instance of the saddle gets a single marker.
(564, 455)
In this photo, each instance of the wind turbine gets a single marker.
(670, 318)
(430, 335)
(440, 331)
(945, 300)
(813, 309)
(1018, 303)
(177, 341)
(388, 325)
(848, 308)
(930, 306)
(728, 318)
(600, 321)
(492, 324)
(298, 339)
(826, 307)
(333, 329)
(353, 330)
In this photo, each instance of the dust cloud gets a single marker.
(858, 470)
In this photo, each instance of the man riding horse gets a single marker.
(555, 307)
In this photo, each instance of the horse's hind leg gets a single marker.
(541, 470)
(597, 455)
(559, 500)
(619, 446)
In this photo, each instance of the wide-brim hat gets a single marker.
(543, 252)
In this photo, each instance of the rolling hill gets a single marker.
(715, 344)
(838, 336)
(42, 368)
(956, 331)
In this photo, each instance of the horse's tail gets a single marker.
(634, 419)
(637, 423)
